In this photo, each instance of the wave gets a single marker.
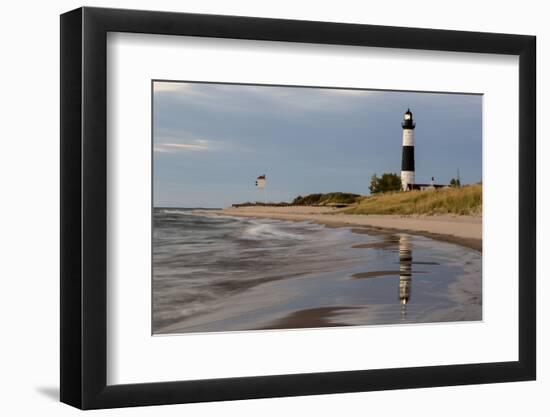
(175, 211)
(263, 231)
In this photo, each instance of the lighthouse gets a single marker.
(407, 162)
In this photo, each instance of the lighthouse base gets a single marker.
(407, 178)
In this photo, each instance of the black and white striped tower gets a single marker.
(407, 162)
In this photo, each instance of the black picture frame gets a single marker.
(84, 207)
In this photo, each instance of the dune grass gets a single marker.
(465, 200)
(327, 199)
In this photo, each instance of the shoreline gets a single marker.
(368, 290)
(465, 231)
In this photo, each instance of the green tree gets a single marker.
(455, 182)
(387, 182)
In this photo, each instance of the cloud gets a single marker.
(260, 98)
(171, 87)
(300, 98)
(349, 92)
(197, 145)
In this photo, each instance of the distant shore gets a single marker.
(461, 230)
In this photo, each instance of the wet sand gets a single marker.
(355, 280)
(310, 318)
(465, 231)
(461, 230)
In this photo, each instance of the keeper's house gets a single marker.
(423, 187)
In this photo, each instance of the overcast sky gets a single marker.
(211, 141)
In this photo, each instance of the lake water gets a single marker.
(222, 273)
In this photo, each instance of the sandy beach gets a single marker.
(296, 267)
(461, 230)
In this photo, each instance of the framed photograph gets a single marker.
(257, 208)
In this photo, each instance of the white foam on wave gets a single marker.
(200, 213)
(182, 212)
(261, 231)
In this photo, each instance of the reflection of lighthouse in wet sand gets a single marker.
(405, 272)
